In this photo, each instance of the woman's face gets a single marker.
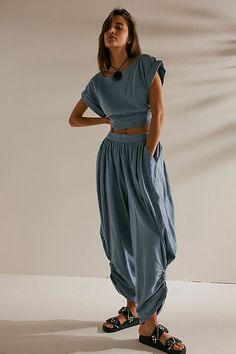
(118, 33)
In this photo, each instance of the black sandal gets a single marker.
(117, 326)
(153, 341)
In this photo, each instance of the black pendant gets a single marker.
(118, 75)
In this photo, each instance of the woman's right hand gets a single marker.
(106, 120)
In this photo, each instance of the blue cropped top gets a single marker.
(126, 101)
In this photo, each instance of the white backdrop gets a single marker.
(49, 211)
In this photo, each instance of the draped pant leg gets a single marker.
(137, 219)
(115, 220)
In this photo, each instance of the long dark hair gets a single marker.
(133, 48)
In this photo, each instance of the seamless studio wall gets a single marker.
(49, 210)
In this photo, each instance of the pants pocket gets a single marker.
(156, 154)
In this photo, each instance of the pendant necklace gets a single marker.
(118, 74)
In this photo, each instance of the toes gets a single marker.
(108, 325)
(178, 346)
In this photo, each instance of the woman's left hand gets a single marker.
(151, 149)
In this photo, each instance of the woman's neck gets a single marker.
(117, 57)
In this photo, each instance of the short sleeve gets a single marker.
(150, 66)
(90, 98)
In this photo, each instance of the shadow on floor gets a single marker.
(37, 337)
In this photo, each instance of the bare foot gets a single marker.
(148, 327)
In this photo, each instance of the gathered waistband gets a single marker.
(126, 137)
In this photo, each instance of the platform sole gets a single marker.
(158, 345)
(123, 326)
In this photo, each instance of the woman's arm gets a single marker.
(156, 100)
(77, 120)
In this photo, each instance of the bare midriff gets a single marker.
(138, 130)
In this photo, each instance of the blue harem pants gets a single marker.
(137, 226)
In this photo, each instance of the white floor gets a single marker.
(62, 315)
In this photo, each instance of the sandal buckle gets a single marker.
(123, 310)
(131, 319)
(171, 341)
(154, 339)
(161, 329)
(115, 322)
(126, 311)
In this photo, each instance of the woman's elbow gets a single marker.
(76, 115)
(74, 121)
(71, 122)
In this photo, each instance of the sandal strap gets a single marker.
(115, 321)
(126, 311)
(171, 341)
(158, 332)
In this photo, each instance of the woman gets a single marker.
(133, 189)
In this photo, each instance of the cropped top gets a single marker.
(126, 101)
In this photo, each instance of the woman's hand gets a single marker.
(151, 149)
(106, 120)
